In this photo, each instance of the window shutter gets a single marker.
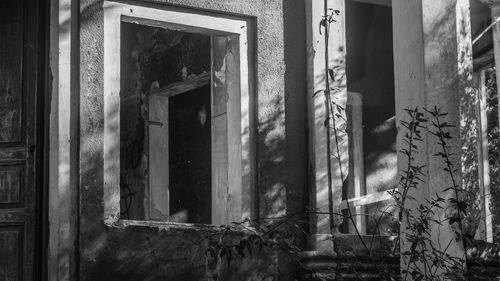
(226, 130)
(158, 159)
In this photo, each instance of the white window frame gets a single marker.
(227, 207)
(486, 225)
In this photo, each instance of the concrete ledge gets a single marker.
(320, 266)
(490, 2)
(321, 242)
(387, 3)
(351, 244)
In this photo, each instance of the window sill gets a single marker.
(166, 226)
(350, 243)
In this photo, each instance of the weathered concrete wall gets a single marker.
(438, 37)
(148, 254)
(296, 154)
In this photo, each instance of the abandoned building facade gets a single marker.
(296, 114)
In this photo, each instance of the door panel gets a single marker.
(10, 256)
(11, 57)
(11, 185)
(19, 185)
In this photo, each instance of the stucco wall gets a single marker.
(145, 253)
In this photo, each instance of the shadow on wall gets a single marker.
(139, 253)
(150, 253)
(469, 130)
(335, 122)
(271, 161)
(494, 150)
(296, 121)
(469, 160)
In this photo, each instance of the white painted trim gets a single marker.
(183, 86)
(183, 20)
(111, 114)
(175, 19)
(156, 205)
(319, 157)
(484, 166)
(416, 66)
(62, 142)
(387, 3)
(356, 153)
(367, 199)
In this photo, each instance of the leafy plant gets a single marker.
(425, 259)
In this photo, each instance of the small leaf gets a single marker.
(322, 23)
(327, 122)
(332, 74)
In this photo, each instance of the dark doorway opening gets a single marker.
(190, 157)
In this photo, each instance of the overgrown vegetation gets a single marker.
(424, 258)
(494, 149)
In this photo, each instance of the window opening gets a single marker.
(190, 156)
(151, 55)
(371, 119)
(165, 128)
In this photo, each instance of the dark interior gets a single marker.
(370, 72)
(190, 156)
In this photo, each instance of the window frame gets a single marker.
(358, 198)
(239, 109)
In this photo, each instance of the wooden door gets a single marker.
(20, 150)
